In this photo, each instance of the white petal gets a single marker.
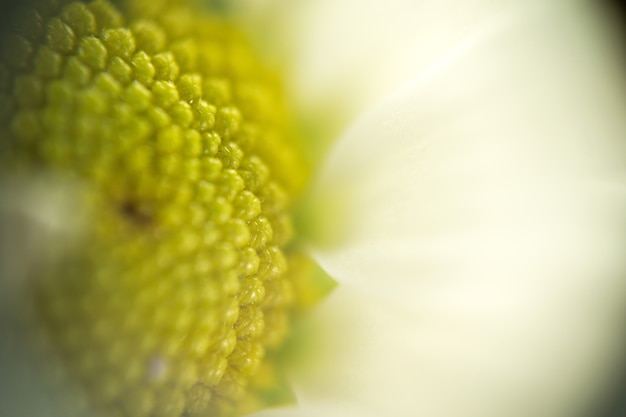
(38, 215)
(328, 409)
(503, 163)
(445, 361)
(486, 210)
(42, 217)
(357, 51)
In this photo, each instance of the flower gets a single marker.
(475, 213)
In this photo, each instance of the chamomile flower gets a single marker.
(472, 211)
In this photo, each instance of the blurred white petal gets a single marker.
(444, 360)
(39, 214)
(503, 162)
(482, 269)
(358, 51)
(42, 218)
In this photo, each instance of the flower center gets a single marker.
(179, 140)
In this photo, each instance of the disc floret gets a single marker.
(178, 141)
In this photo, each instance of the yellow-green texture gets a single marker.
(179, 142)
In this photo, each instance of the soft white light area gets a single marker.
(357, 51)
(482, 271)
(42, 217)
(505, 161)
(471, 351)
(39, 215)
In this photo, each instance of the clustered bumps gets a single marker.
(177, 135)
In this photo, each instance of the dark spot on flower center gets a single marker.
(131, 211)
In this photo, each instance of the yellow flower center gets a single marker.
(178, 136)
